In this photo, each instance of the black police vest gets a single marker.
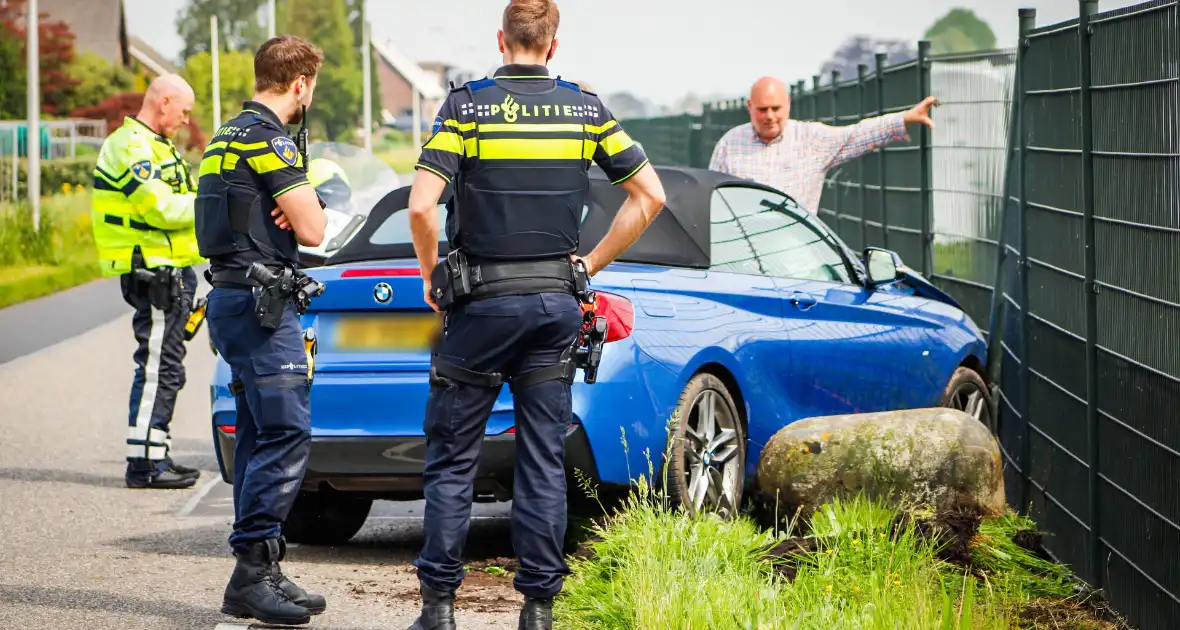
(233, 228)
(509, 204)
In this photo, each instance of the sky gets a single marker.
(655, 49)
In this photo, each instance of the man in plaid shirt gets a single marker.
(795, 156)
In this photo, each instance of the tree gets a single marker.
(239, 25)
(960, 31)
(115, 108)
(862, 49)
(237, 84)
(56, 52)
(97, 79)
(337, 106)
(12, 74)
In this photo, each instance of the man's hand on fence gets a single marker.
(920, 113)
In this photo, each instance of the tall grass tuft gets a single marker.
(59, 255)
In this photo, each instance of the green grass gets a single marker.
(58, 256)
(856, 564)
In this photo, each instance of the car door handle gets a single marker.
(802, 301)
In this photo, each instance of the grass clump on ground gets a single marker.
(853, 564)
(60, 255)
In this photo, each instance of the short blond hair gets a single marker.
(530, 24)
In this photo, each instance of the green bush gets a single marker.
(57, 256)
(56, 174)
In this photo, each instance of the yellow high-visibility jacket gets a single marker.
(143, 195)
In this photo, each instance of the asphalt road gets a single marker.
(79, 550)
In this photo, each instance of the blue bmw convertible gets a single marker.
(735, 314)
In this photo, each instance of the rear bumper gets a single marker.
(391, 467)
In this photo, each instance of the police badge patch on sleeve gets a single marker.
(142, 169)
(438, 123)
(286, 149)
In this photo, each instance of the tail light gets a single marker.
(619, 314)
(227, 428)
(375, 272)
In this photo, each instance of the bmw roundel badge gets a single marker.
(383, 293)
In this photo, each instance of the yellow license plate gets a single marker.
(387, 333)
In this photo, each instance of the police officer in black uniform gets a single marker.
(254, 207)
(517, 148)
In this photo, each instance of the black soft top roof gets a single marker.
(678, 237)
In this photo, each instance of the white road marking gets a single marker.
(233, 626)
(195, 500)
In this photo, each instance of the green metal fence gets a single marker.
(1090, 418)
(1053, 172)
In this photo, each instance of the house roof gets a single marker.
(426, 84)
(148, 56)
(97, 25)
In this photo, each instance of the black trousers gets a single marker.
(159, 371)
(511, 335)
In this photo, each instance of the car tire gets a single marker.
(967, 392)
(319, 518)
(724, 464)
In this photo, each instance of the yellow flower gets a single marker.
(829, 588)
(66, 188)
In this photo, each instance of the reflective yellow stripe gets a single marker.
(214, 146)
(468, 126)
(231, 161)
(427, 167)
(265, 163)
(238, 146)
(210, 166)
(448, 141)
(535, 149)
(617, 142)
(601, 128)
(533, 127)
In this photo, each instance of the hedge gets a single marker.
(77, 172)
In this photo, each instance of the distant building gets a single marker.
(99, 27)
(399, 79)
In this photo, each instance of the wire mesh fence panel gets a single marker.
(666, 140)
(1135, 101)
(9, 167)
(718, 120)
(1056, 434)
(969, 157)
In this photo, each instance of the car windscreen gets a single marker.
(675, 238)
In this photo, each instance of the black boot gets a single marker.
(183, 471)
(438, 611)
(157, 480)
(253, 591)
(537, 614)
(315, 604)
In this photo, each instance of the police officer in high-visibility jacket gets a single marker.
(517, 148)
(143, 226)
(254, 208)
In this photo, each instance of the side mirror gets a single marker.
(882, 266)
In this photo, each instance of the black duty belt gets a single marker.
(489, 278)
(230, 279)
(115, 219)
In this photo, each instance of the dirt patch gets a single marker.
(787, 555)
(1074, 613)
(954, 529)
(481, 592)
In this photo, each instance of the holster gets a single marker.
(164, 285)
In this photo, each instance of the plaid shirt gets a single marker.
(797, 161)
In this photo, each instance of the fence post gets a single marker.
(924, 153)
(861, 71)
(1085, 30)
(815, 97)
(995, 335)
(835, 178)
(801, 90)
(880, 60)
(1028, 21)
